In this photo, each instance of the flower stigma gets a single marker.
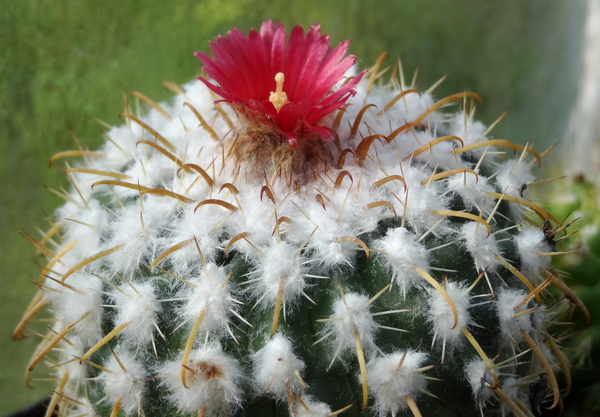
(279, 98)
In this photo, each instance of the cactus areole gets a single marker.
(293, 237)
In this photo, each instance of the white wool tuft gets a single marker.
(85, 298)
(421, 200)
(125, 382)
(246, 220)
(393, 377)
(315, 408)
(325, 241)
(352, 314)
(213, 385)
(85, 227)
(439, 155)
(483, 248)
(442, 318)
(531, 244)
(75, 349)
(479, 377)
(203, 224)
(139, 308)
(83, 407)
(78, 372)
(511, 326)
(211, 296)
(280, 269)
(512, 176)
(469, 130)
(138, 232)
(117, 158)
(473, 191)
(510, 386)
(276, 368)
(344, 215)
(402, 253)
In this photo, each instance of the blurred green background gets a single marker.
(63, 62)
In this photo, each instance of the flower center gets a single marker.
(278, 98)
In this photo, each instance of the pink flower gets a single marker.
(307, 68)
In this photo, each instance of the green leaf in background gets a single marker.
(63, 62)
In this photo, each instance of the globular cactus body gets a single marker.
(215, 259)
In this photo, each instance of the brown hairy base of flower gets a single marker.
(261, 150)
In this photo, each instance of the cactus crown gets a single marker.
(215, 258)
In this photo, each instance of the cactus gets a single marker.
(289, 237)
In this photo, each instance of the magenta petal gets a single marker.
(325, 132)
(244, 67)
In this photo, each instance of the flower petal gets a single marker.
(244, 67)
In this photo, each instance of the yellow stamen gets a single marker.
(279, 98)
